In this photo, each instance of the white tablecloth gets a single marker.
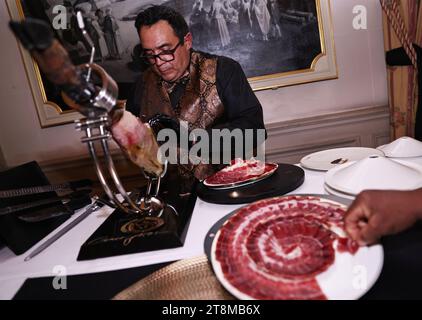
(62, 254)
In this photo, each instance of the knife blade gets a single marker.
(72, 185)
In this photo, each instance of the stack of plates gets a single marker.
(373, 172)
(405, 149)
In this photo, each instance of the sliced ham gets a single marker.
(240, 171)
(274, 248)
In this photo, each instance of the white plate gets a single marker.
(348, 278)
(351, 276)
(327, 159)
(374, 173)
(404, 147)
(338, 193)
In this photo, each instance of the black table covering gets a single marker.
(16, 232)
(401, 276)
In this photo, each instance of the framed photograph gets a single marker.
(277, 42)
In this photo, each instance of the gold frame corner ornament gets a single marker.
(323, 67)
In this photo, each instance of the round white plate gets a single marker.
(327, 159)
(348, 278)
(414, 160)
(351, 276)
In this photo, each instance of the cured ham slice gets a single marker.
(241, 171)
(275, 248)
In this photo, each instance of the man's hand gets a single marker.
(376, 213)
(137, 140)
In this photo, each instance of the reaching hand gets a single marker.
(138, 141)
(376, 213)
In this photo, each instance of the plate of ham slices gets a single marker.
(292, 247)
(239, 173)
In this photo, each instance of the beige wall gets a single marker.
(361, 83)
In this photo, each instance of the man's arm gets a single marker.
(376, 213)
(242, 110)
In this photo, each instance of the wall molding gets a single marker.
(304, 149)
(331, 119)
(290, 140)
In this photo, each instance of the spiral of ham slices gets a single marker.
(274, 248)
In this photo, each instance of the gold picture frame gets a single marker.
(306, 33)
(323, 65)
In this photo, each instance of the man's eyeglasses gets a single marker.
(166, 55)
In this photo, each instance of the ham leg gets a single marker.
(135, 138)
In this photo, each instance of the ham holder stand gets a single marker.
(142, 222)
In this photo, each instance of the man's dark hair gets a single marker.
(153, 14)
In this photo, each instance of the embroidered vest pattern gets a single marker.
(200, 104)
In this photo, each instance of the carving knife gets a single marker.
(90, 209)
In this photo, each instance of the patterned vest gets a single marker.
(200, 104)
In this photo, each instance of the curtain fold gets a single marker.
(402, 23)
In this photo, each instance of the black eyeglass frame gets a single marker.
(152, 58)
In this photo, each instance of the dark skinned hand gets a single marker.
(376, 213)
